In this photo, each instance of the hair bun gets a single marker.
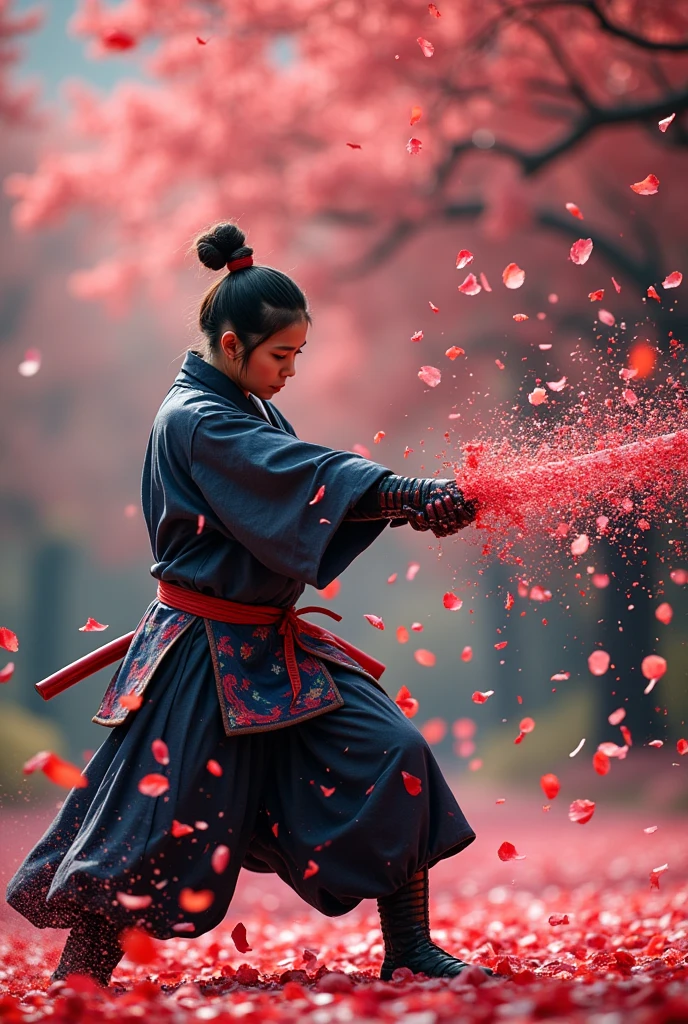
(220, 244)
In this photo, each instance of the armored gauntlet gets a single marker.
(427, 504)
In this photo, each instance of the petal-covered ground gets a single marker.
(577, 928)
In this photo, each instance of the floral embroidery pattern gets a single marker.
(251, 699)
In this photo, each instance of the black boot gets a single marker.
(405, 921)
(92, 948)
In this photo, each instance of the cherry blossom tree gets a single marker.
(301, 113)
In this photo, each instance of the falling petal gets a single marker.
(580, 251)
(647, 187)
(672, 280)
(665, 122)
(426, 46)
(430, 375)
(470, 285)
(464, 257)
(507, 851)
(581, 811)
(512, 276)
(574, 211)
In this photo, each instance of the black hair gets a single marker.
(255, 302)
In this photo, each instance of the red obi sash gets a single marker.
(290, 624)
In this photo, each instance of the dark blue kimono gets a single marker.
(311, 789)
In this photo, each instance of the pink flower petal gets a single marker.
(665, 122)
(598, 662)
(414, 146)
(375, 621)
(512, 276)
(648, 186)
(557, 385)
(672, 280)
(430, 375)
(664, 613)
(92, 626)
(426, 46)
(465, 256)
(653, 666)
(580, 251)
(470, 285)
(580, 544)
(425, 658)
(606, 317)
(581, 811)
(537, 396)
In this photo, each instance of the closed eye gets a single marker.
(280, 358)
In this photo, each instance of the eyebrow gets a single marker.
(289, 348)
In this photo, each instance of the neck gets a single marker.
(221, 365)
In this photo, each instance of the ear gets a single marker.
(230, 345)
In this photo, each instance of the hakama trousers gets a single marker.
(270, 807)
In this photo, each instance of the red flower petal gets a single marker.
(416, 114)
(665, 122)
(470, 285)
(451, 602)
(648, 186)
(426, 46)
(507, 851)
(580, 251)
(467, 654)
(130, 902)
(672, 280)
(160, 751)
(327, 790)
(574, 211)
(138, 945)
(598, 662)
(8, 639)
(92, 626)
(682, 746)
(319, 495)
(480, 696)
(239, 938)
(7, 672)
(414, 146)
(411, 783)
(527, 725)
(512, 276)
(464, 257)
(425, 658)
(220, 859)
(653, 666)
(581, 811)
(402, 634)
(501, 645)
(454, 352)
(375, 621)
(214, 768)
(131, 701)
(118, 40)
(556, 919)
(179, 829)
(596, 296)
(430, 375)
(652, 293)
(311, 870)
(195, 901)
(153, 784)
(601, 762)
(550, 786)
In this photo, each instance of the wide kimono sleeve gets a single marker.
(261, 482)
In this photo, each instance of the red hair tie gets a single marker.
(244, 261)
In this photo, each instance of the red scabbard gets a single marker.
(86, 666)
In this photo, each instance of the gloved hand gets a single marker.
(427, 504)
(444, 510)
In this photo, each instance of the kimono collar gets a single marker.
(195, 370)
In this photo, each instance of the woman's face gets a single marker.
(270, 365)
